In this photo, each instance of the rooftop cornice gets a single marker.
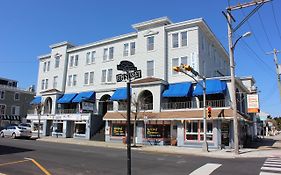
(108, 40)
(162, 20)
(44, 56)
(61, 44)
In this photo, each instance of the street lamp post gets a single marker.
(183, 68)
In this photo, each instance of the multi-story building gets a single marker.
(77, 86)
(14, 102)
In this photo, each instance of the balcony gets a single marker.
(194, 104)
(68, 111)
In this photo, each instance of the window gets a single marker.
(74, 82)
(150, 43)
(184, 38)
(71, 61)
(46, 83)
(42, 84)
(109, 75)
(55, 82)
(175, 62)
(57, 62)
(105, 53)
(69, 80)
(17, 96)
(86, 78)
(111, 52)
(44, 66)
(103, 75)
(195, 131)
(175, 40)
(93, 57)
(88, 54)
(76, 60)
(15, 110)
(126, 49)
(150, 68)
(133, 48)
(2, 94)
(48, 66)
(91, 77)
(184, 60)
(2, 109)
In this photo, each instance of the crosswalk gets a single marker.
(271, 166)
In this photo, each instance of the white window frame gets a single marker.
(126, 49)
(43, 84)
(16, 110)
(105, 54)
(71, 60)
(46, 83)
(109, 75)
(175, 45)
(69, 82)
(17, 99)
(111, 53)
(93, 56)
(153, 68)
(57, 61)
(181, 38)
(86, 78)
(91, 77)
(48, 66)
(55, 82)
(132, 49)
(44, 66)
(173, 65)
(150, 46)
(88, 56)
(76, 60)
(74, 79)
(103, 75)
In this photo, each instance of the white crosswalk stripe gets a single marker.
(206, 169)
(271, 166)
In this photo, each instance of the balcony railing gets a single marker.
(68, 111)
(146, 106)
(194, 104)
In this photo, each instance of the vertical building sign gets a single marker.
(253, 103)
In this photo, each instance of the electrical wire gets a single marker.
(263, 27)
(275, 20)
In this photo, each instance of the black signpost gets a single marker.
(131, 73)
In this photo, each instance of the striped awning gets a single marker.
(10, 117)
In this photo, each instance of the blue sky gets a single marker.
(28, 27)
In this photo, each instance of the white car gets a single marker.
(25, 125)
(15, 131)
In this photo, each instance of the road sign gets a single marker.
(126, 66)
(132, 75)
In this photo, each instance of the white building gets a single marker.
(78, 89)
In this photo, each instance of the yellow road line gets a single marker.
(39, 166)
(10, 163)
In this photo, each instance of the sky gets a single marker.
(29, 27)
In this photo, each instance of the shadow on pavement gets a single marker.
(10, 150)
(262, 143)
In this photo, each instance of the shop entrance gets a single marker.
(225, 133)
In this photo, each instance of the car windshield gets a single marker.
(20, 127)
(25, 124)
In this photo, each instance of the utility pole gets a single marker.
(231, 30)
(278, 68)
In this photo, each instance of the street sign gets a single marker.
(126, 66)
(132, 75)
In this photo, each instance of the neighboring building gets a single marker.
(14, 102)
(170, 103)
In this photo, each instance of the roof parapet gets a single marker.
(152, 23)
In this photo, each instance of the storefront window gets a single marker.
(80, 128)
(35, 128)
(59, 127)
(193, 132)
(157, 131)
(120, 129)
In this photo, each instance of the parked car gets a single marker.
(25, 125)
(15, 131)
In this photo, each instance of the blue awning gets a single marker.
(36, 101)
(178, 90)
(66, 98)
(212, 87)
(119, 94)
(84, 96)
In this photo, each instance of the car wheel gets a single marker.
(2, 134)
(14, 135)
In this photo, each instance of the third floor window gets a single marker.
(150, 43)
(2, 94)
(57, 61)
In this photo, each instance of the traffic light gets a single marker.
(187, 67)
(177, 68)
(209, 111)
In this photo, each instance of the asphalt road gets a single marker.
(67, 159)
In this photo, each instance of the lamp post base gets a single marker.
(205, 147)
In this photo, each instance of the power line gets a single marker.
(263, 27)
(275, 20)
(257, 56)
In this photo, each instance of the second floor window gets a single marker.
(55, 82)
(57, 62)
(106, 75)
(15, 110)
(150, 68)
(91, 77)
(86, 78)
(150, 43)
(103, 76)
(175, 62)
(69, 80)
(109, 75)
(42, 84)
(48, 66)
(2, 109)
(2, 94)
(46, 83)
(74, 81)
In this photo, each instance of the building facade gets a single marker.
(14, 102)
(79, 95)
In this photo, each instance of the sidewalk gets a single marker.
(267, 147)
